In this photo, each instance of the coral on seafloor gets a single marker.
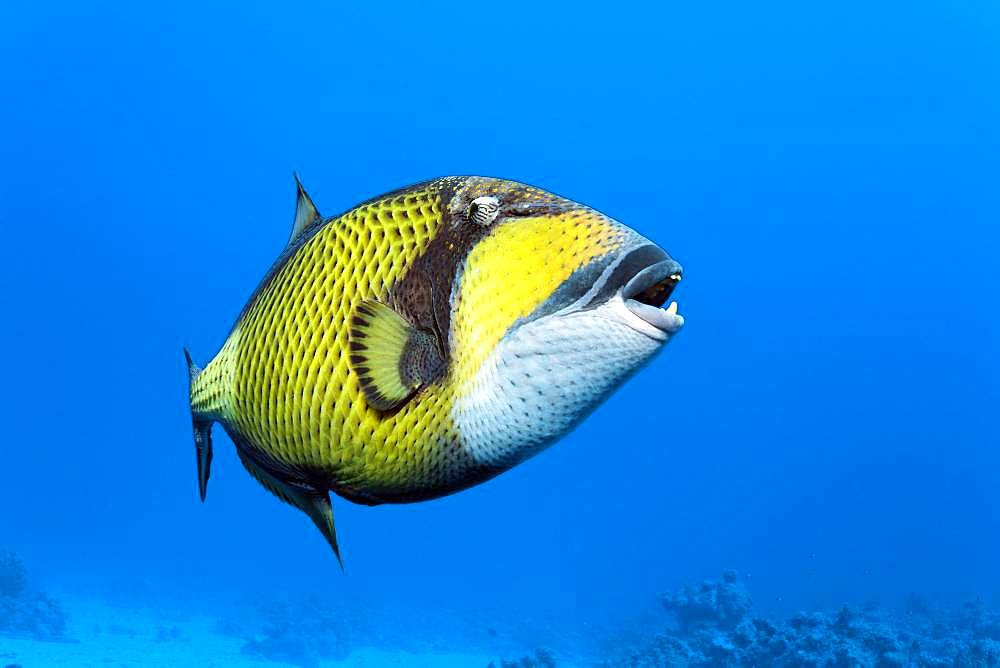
(303, 634)
(542, 658)
(713, 626)
(24, 612)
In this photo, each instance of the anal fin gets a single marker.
(308, 498)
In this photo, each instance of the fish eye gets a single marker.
(484, 210)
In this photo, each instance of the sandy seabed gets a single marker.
(108, 637)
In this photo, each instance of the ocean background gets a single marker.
(826, 424)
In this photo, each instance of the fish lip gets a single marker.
(643, 294)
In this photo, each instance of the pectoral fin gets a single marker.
(392, 358)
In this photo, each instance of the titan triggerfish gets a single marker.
(428, 340)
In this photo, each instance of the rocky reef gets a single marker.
(712, 625)
(542, 658)
(303, 634)
(24, 611)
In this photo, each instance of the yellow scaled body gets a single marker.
(458, 265)
(288, 387)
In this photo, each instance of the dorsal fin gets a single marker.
(392, 358)
(305, 211)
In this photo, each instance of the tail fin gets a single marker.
(202, 431)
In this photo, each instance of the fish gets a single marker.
(427, 340)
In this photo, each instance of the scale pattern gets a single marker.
(293, 394)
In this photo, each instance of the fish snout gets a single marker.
(651, 277)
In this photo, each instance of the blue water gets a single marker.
(826, 423)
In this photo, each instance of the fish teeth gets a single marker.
(672, 309)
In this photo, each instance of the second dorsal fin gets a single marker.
(305, 211)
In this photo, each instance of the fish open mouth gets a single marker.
(646, 293)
